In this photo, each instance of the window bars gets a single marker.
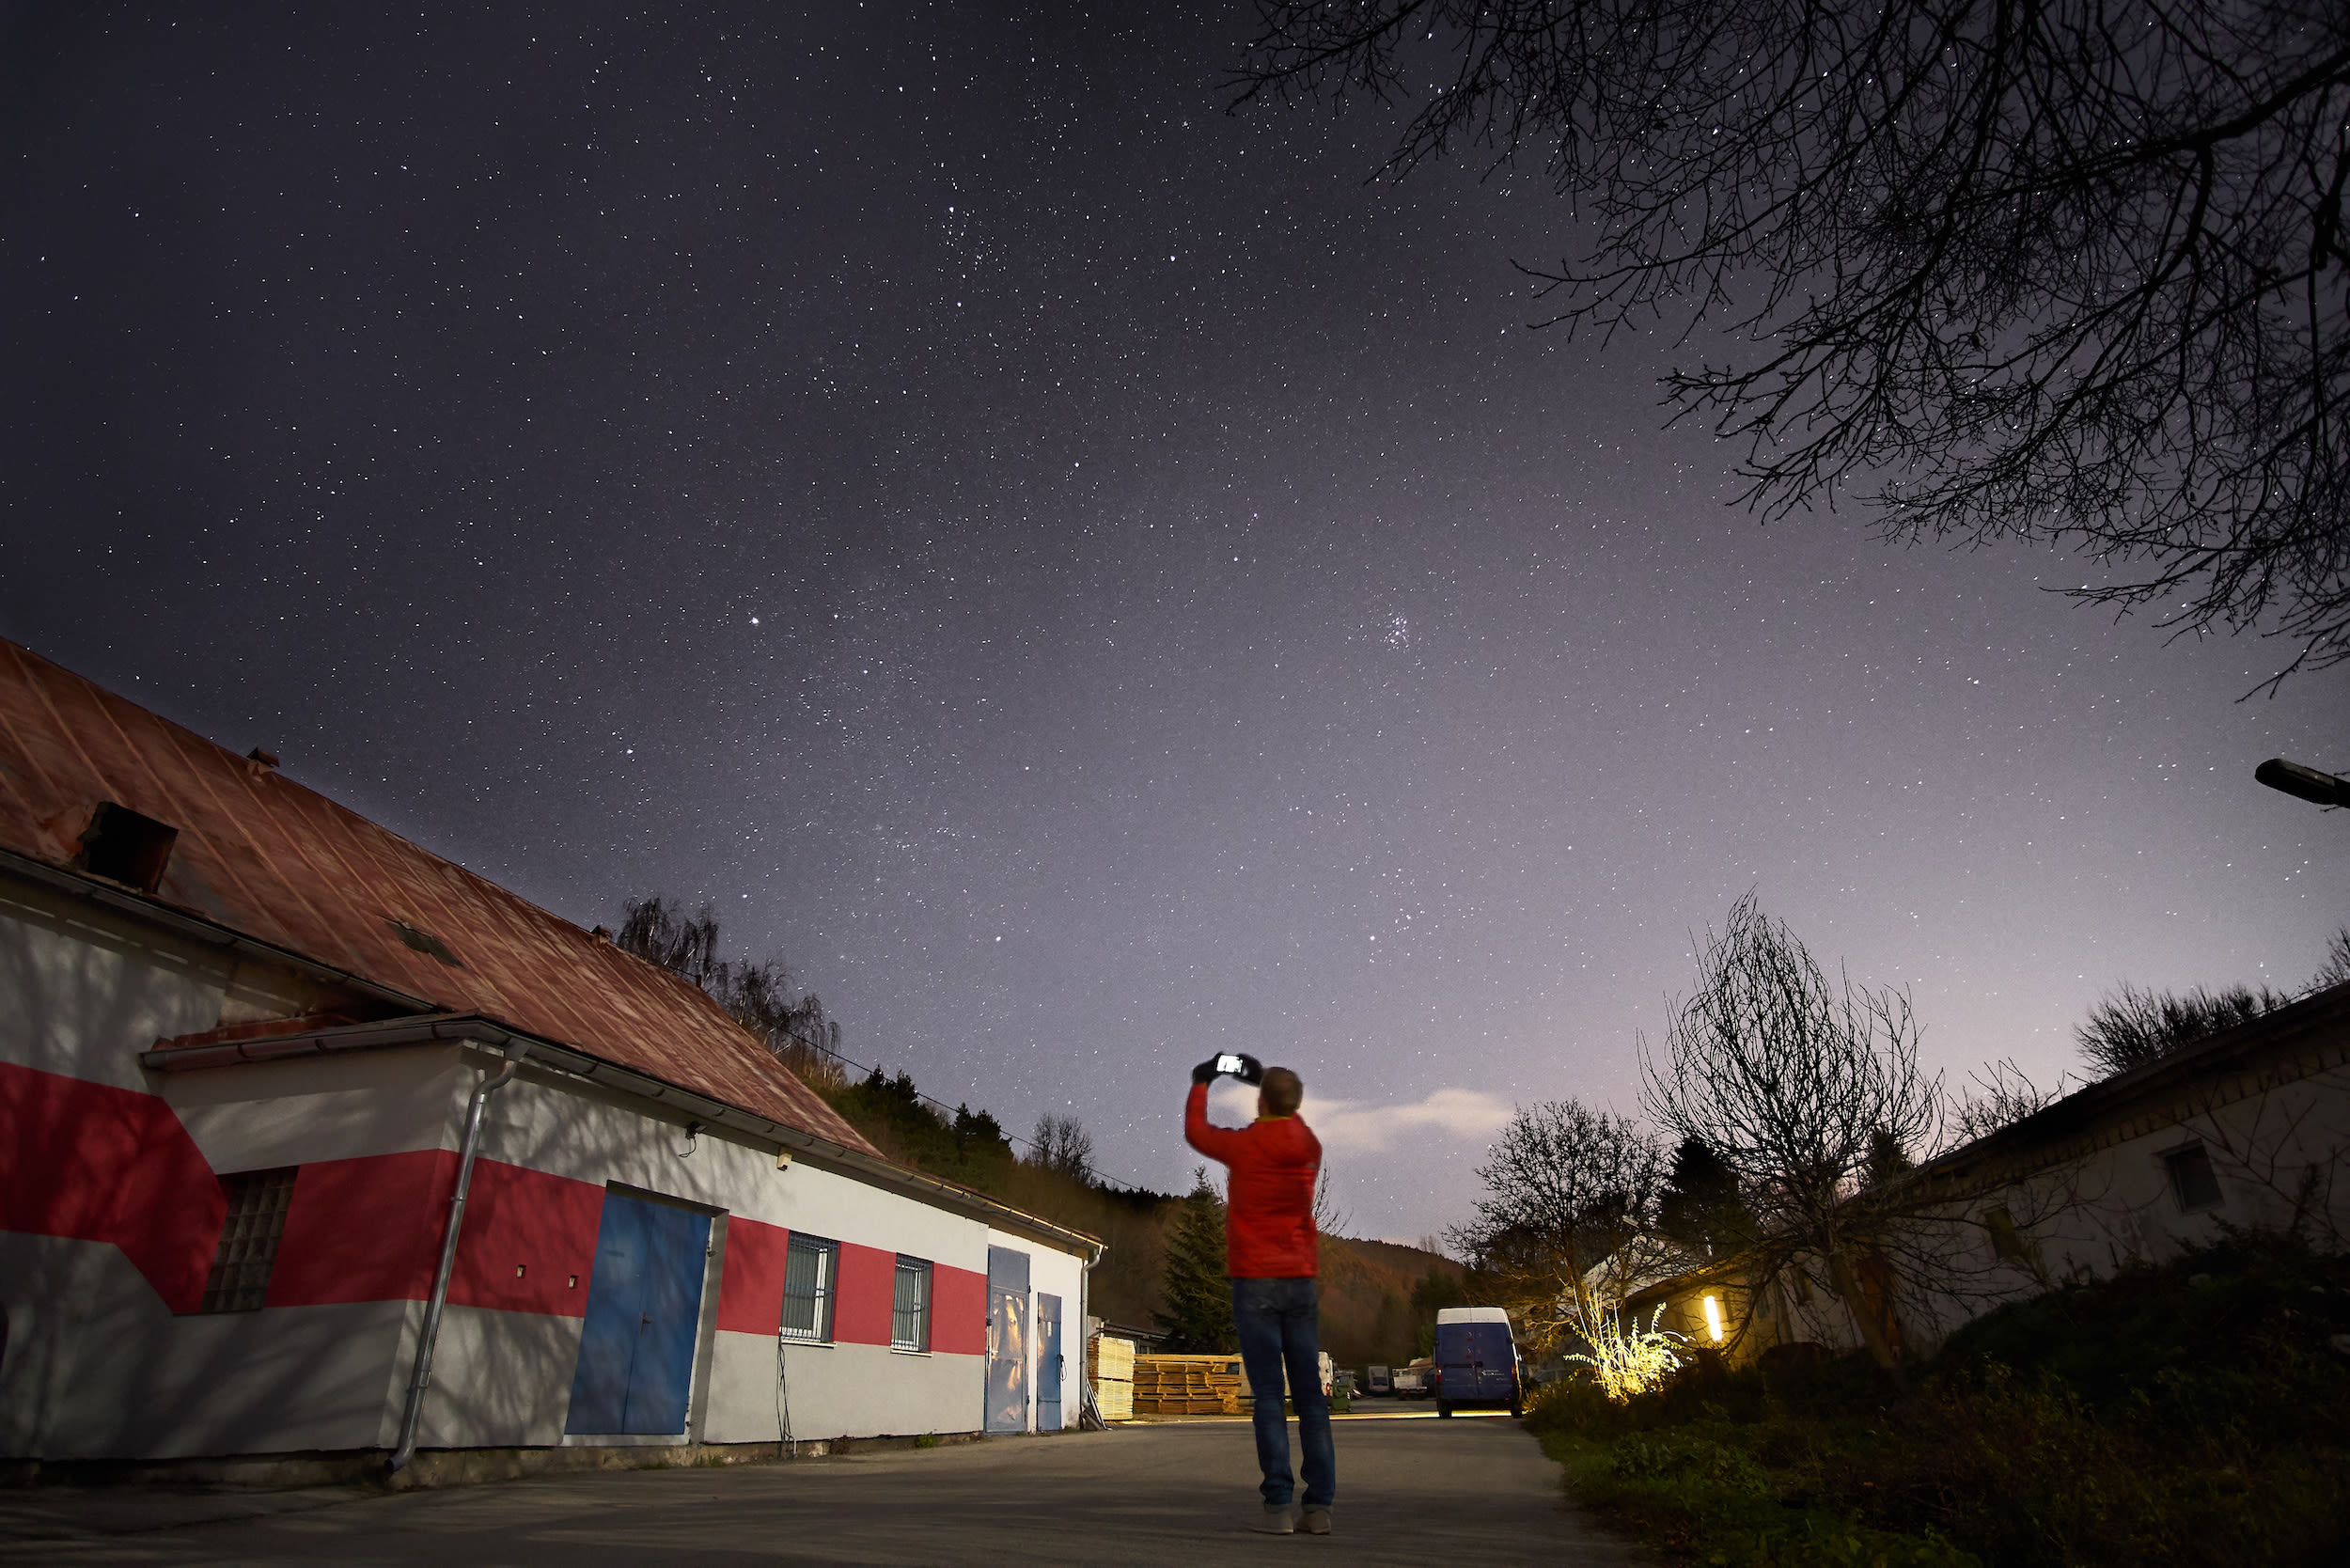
(909, 1305)
(258, 1201)
(811, 1270)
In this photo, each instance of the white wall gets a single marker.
(82, 991)
(2275, 1152)
(98, 1367)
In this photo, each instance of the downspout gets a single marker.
(421, 1377)
(1089, 1407)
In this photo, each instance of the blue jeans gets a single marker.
(1281, 1323)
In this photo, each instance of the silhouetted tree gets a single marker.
(1062, 1145)
(975, 1132)
(759, 996)
(2002, 1095)
(1699, 1210)
(1566, 1228)
(2071, 271)
(1197, 1293)
(1801, 1089)
(1431, 1293)
(1329, 1219)
(2132, 1027)
(2336, 969)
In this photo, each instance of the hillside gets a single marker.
(1367, 1290)
(1376, 1297)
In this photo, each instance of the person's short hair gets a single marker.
(1284, 1091)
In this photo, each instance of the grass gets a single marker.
(2192, 1413)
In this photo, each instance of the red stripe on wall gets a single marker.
(91, 1162)
(750, 1291)
(860, 1313)
(957, 1311)
(94, 1163)
(366, 1230)
(529, 1241)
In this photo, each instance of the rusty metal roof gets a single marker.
(262, 856)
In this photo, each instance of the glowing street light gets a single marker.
(2305, 783)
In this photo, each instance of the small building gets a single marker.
(2246, 1130)
(314, 1142)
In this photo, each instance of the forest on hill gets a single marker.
(1379, 1299)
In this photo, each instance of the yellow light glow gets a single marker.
(1713, 1319)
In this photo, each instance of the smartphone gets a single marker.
(1227, 1062)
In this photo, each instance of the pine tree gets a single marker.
(1197, 1316)
(1700, 1209)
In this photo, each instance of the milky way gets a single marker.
(1089, 579)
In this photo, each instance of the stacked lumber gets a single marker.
(1110, 1368)
(1189, 1386)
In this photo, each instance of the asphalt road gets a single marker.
(1410, 1491)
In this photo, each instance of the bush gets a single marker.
(2194, 1413)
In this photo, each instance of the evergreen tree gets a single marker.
(1435, 1291)
(1700, 1209)
(1197, 1315)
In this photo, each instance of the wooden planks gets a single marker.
(1189, 1386)
(1110, 1368)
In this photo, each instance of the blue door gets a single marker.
(1007, 1340)
(644, 1314)
(1047, 1362)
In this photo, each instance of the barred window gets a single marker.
(810, 1266)
(258, 1201)
(909, 1305)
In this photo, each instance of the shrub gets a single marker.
(2194, 1413)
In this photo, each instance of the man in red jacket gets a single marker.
(1269, 1252)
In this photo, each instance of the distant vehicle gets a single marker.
(1328, 1368)
(1416, 1381)
(1378, 1380)
(1477, 1360)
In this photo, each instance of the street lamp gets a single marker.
(2306, 783)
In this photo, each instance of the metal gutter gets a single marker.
(180, 921)
(473, 1029)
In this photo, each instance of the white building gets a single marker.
(243, 1035)
(2247, 1130)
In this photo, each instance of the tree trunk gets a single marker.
(1865, 1318)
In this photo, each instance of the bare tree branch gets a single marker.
(2074, 270)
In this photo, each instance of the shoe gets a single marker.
(1316, 1521)
(1275, 1520)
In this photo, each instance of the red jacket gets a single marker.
(1269, 1227)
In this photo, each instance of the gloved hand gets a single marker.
(1207, 1071)
(1233, 1064)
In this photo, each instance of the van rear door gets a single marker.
(1479, 1361)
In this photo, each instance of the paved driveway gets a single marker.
(1409, 1491)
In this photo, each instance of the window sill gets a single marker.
(812, 1344)
(908, 1350)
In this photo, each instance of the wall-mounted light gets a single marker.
(1714, 1318)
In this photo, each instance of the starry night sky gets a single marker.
(1088, 579)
